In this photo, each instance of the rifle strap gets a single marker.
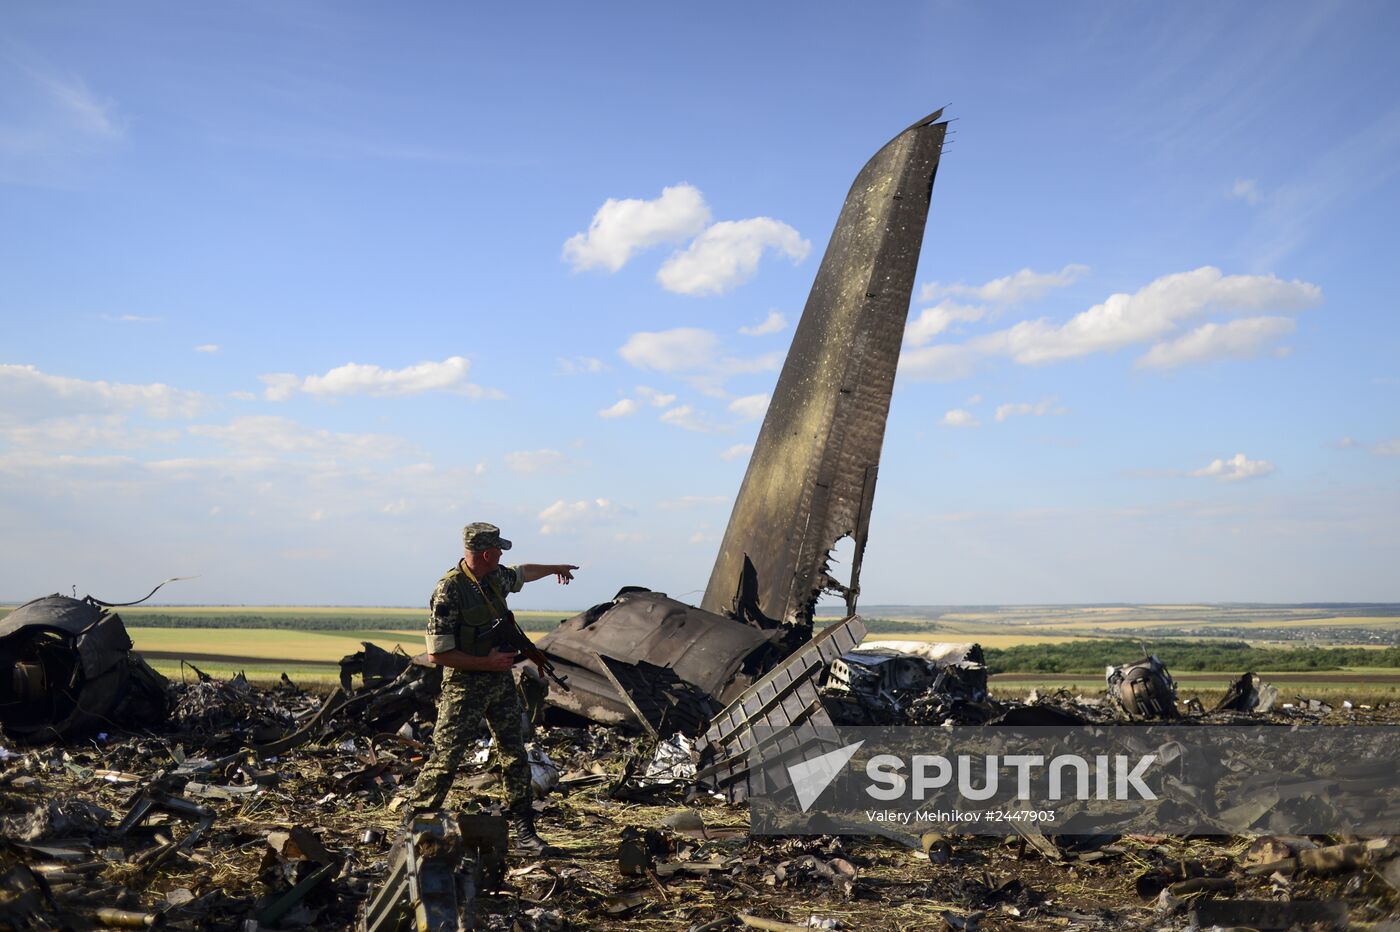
(484, 590)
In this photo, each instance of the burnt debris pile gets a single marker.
(272, 807)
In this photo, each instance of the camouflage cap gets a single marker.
(483, 536)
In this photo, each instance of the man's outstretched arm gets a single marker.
(529, 572)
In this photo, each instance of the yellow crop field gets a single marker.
(986, 640)
(272, 644)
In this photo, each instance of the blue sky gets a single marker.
(293, 291)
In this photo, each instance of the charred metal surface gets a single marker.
(374, 664)
(666, 658)
(67, 666)
(811, 479)
(784, 705)
(883, 683)
(427, 887)
(1142, 690)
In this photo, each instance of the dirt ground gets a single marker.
(61, 804)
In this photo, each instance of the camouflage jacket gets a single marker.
(460, 616)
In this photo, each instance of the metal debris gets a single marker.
(67, 668)
(906, 683)
(649, 657)
(784, 705)
(1143, 690)
(1247, 694)
(811, 478)
(436, 871)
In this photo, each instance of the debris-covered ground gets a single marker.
(191, 829)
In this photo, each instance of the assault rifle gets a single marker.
(515, 639)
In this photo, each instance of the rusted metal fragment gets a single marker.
(811, 479)
(67, 667)
(784, 708)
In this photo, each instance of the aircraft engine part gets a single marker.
(1143, 689)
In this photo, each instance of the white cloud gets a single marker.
(679, 350)
(581, 365)
(25, 391)
(774, 322)
(1235, 468)
(1025, 285)
(129, 319)
(695, 353)
(563, 517)
(1388, 447)
(1247, 190)
(623, 408)
(934, 320)
(736, 451)
(687, 418)
(692, 501)
(82, 109)
(207, 348)
(727, 254)
(945, 362)
(53, 122)
(1148, 314)
(1235, 339)
(527, 462)
(84, 432)
(621, 228)
(361, 379)
(750, 407)
(268, 435)
(654, 398)
(959, 418)
(1021, 409)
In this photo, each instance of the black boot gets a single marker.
(524, 839)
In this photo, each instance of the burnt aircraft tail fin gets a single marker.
(811, 479)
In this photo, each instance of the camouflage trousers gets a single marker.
(466, 698)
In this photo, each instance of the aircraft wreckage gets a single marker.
(291, 790)
(66, 667)
(810, 482)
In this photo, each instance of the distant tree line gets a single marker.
(288, 622)
(1093, 656)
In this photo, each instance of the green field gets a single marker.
(307, 642)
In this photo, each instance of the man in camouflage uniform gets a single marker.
(465, 613)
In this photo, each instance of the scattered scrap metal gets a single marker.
(200, 827)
